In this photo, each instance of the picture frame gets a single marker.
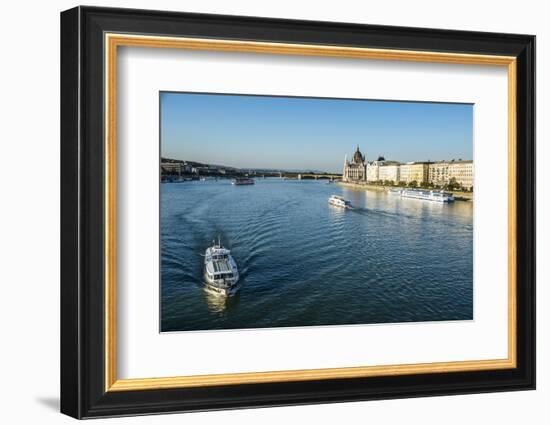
(90, 40)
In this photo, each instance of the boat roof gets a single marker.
(217, 250)
(428, 191)
(219, 266)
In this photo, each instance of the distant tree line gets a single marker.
(452, 185)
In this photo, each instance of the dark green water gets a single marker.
(305, 263)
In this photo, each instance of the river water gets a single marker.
(305, 263)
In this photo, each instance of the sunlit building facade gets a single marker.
(463, 173)
(440, 173)
(389, 171)
(414, 172)
(356, 170)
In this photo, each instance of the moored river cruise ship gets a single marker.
(425, 195)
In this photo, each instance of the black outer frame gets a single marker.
(82, 219)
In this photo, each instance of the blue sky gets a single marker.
(309, 133)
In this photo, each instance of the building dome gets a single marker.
(358, 157)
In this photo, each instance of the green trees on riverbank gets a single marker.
(452, 185)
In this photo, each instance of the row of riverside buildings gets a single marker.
(183, 167)
(438, 173)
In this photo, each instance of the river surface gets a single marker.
(305, 263)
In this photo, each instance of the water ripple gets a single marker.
(303, 262)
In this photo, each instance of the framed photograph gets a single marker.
(261, 212)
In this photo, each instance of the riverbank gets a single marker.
(459, 196)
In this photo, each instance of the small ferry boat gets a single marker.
(426, 195)
(239, 181)
(339, 201)
(221, 276)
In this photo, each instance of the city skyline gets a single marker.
(245, 131)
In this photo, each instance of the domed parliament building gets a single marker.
(356, 170)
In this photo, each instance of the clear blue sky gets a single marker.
(308, 133)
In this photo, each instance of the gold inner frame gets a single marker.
(113, 41)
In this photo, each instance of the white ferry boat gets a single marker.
(221, 276)
(339, 201)
(427, 195)
(239, 181)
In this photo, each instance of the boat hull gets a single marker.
(437, 197)
(442, 200)
(339, 205)
(242, 182)
(221, 290)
